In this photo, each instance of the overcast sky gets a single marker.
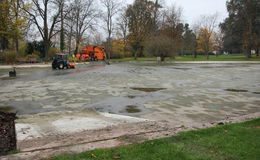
(193, 9)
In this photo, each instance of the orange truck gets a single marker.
(92, 53)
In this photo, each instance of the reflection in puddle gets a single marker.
(7, 109)
(132, 109)
(73, 71)
(184, 69)
(148, 89)
(236, 90)
(131, 96)
(8, 78)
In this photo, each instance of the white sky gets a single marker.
(193, 9)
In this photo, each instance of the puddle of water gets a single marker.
(8, 78)
(184, 69)
(131, 96)
(78, 70)
(132, 109)
(148, 89)
(236, 90)
(8, 109)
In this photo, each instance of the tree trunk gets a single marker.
(77, 46)
(70, 44)
(46, 49)
(70, 39)
(248, 52)
(76, 49)
(16, 34)
(257, 52)
(194, 55)
(16, 45)
(249, 39)
(109, 48)
(162, 58)
(4, 43)
(62, 43)
(135, 52)
(207, 54)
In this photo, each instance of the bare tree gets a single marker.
(209, 23)
(122, 26)
(112, 7)
(16, 10)
(62, 34)
(172, 27)
(218, 42)
(97, 39)
(68, 27)
(45, 17)
(159, 46)
(83, 18)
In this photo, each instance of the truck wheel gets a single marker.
(61, 66)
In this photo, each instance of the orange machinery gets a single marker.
(93, 53)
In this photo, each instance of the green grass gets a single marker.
(229, 142)
(14, 152)
(233, 57)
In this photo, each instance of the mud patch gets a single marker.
(132, 109)
(132, 139)
(236, 90)
(148, 89)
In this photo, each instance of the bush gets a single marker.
(72, 59)
(35, 46)
(32, 56)
(9, 57)
(159, 46)
(22, 51)
(52, 52)
(116, 55)
(128, 54)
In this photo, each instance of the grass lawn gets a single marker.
(229, 142)
(233, 57)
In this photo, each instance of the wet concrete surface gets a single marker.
(179, 93)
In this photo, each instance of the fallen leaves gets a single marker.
(116, 157)
(93, 156)
(255, 127)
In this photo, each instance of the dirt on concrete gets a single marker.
(112, 136)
